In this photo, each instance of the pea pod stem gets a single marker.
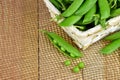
(63, 46)
(82, 28)
(114, 45)
(112, 3)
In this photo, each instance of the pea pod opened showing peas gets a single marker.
(63, 46)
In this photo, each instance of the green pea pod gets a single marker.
(63, 46)
(115, 12)
(56, 4)
(70, 21)
(85, 7)
(104, 9)
(113, 36)
(114, 45)
(72, 8)
(89, 15)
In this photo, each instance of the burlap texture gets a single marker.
(18, 40)
(98, 66)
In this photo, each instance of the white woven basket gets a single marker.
(85, 38)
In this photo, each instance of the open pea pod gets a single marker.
(63, 46)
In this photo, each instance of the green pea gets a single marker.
(63, 45)
(81, 65)
(76, 69)
(115, 12)
(63, 49)
(113, 36)
(72, 55)
(72, 8)
(55, 41)
(67, 62)
(114, 45)
(85, 7)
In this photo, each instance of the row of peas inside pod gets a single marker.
(68, 50)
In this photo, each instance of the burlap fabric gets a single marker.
(20, 58)
(18, 40)
(98, 67)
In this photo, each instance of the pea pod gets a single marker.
(70, 21)
(85, 7)
(113, 36)
(115, 12)
(111, 47)
(72, 8)
(104, 9)
(56, 4)
(89, 15)
(63, 46)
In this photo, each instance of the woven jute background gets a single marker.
(18, 40)
(26, 54)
